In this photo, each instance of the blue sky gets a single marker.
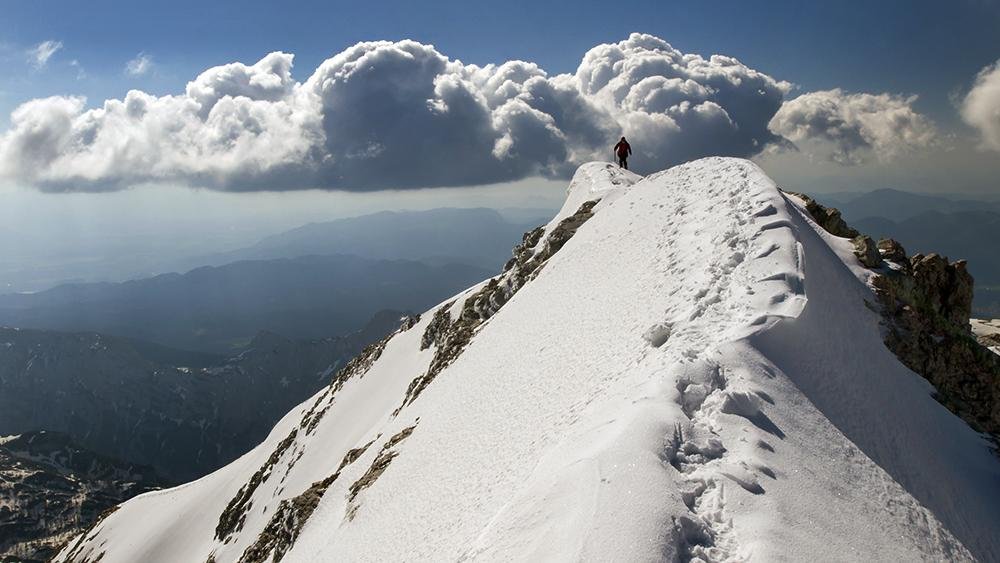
(850, 116)
(903, 71)
(930, 48)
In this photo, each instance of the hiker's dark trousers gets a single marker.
(623, 161)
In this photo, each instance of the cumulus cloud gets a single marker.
(398, 115)
(981, 106)
(678, 106)
(140, 65)
(39, 55)
(850, 127)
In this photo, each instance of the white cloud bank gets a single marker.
(847, 128)
(981, 107)
(39, 55)
(397, 115)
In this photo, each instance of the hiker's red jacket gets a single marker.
(622, 149)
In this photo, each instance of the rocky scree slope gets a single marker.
(682, 367)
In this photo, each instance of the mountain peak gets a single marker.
(682, 366)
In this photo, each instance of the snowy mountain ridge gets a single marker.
(678, 367)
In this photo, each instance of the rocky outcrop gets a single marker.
(292, 514)
(380, 463)
(867, 251)
(51, 489)
(892, 251)
(234, 516)
(285, 526)
(926, 301)
(926, 304)
(827, 217)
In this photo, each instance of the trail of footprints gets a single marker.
(695, 448)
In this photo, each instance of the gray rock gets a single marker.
(892, 251)
(867, 252)
(827, 217)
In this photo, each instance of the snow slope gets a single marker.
(695, 374)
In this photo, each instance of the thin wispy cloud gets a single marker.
(140, 65)
(80, 72)
(39, 55)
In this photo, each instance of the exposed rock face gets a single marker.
(867, 251)
(827, 217)
(926, 302)
(284, 527)
(234, 516)
(927, 306)
(51, 489)
(381, 462)
(892, 251)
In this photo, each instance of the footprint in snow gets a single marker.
(658, 334)
(744, 404)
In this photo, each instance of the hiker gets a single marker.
(622, 151)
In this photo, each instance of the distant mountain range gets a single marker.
(969, 235)
(478, 236)
(219, 309)
(898, 205)
(958, 228)
(131, 402)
